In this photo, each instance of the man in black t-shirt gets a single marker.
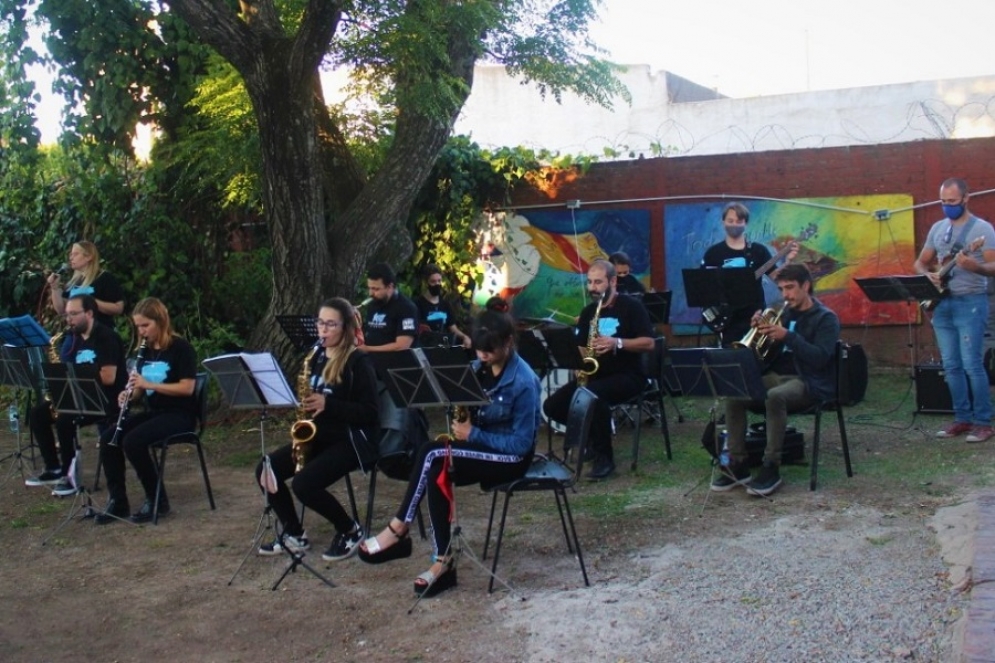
(624, 332)
(737, 251)
(391, 318)
(88, 343)
(434, 312)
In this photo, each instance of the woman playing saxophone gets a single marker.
(335, 433)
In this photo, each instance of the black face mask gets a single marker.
(435, 290)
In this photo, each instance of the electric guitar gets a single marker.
(947, 266)
(717, 317)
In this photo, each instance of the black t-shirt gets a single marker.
(386, 322)
(625, 318)
(753, 256)
(169, 366)
(438, 317)
(105, 288)
(629, 285)
(102, 348)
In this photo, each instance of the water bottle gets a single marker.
(13, 418)
(724, 454)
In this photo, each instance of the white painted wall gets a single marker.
(501, 112)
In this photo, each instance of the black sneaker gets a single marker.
(114, 511)
(63, 488)
(728, 478)
(297, 544)
(344, 545)
(46, 478)
(767, 481)
(602, 469)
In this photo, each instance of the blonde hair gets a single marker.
(92, 271)
(332, 374)
(153, 309)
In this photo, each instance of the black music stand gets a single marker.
(302, 330)
(723, 289)
(658, 306)
(254, 381)
(16, 373)
(563, 353)
(722, 374)
(76, 390)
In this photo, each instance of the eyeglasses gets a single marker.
(327, 324)
(74, 314)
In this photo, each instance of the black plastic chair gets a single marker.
(836, 403)
(550, 474)
(194, 437)
(649, 403)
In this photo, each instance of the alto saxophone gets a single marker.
(764, 346)
(303, 430)
(461, 413)
(53, 358)
(589, 360)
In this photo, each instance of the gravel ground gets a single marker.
(872, 588)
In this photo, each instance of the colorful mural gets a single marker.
(845, 245)
(539, 260)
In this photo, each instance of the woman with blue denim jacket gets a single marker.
(494, 445)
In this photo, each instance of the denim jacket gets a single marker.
(510, 422)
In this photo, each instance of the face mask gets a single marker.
(735, 231)
(953, 212)
(435, 290)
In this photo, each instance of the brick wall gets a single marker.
(916, 169)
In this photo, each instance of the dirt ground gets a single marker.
(162, 593)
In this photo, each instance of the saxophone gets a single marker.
(53, 358)
(461, 413)
(764, 346)
(589, 360)
(303, 430)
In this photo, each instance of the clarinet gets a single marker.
(123, 414)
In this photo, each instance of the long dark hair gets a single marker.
(492, 330)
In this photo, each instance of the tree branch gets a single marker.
(221, 28)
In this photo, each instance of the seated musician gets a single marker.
(435, 314)
(87, 342)
(801, 376)
(494, 445)
(623, 332)
(344, 408)
(166, 376)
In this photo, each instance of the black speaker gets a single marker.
(932, 393)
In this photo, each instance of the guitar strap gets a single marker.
(961, 240)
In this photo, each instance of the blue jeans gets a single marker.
(959, 324)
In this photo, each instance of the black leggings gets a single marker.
(322, 469)
(471, 463)
(138, 433)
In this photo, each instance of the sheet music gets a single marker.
(266, 372)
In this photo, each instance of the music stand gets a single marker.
(76, 390)
(658, 306)
(254, 381)
(722, 374)
(909, 289)
(15, 372)
(302, 330)
(719, 290)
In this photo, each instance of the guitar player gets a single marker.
(960, 316)
(737, 251)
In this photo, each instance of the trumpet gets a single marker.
(764, 346)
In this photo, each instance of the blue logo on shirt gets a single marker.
(155, 371)
(86, 356)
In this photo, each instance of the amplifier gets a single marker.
(932, 394)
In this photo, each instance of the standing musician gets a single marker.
(436, 313)
(344, 409)
(91, 343)
(623, 332)
(88, 279)
(960, 317)
(391, 318)
(735, 250)
(494, 445)
(166, 377)
(801, 376)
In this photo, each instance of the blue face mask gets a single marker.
(735, 232)
(954, 212)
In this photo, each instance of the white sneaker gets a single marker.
(293, 543)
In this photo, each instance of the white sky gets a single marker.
(766, 47)
(763, 47)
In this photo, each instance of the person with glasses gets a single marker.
(435, 314)
(967, 246)
(165, 379)
(344, 408)
(88, 342)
